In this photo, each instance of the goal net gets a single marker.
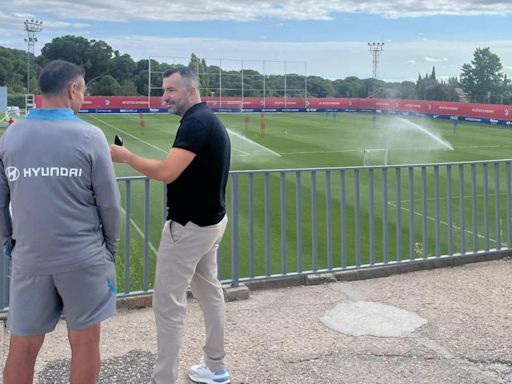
(375, 156)
(229, 81)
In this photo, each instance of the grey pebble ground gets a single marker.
(277, 335)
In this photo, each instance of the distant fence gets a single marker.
(294, 222)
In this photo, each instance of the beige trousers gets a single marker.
(187, 256)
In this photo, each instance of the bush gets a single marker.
(17, 100)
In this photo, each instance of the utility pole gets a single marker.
(376, 49)
(32, 27)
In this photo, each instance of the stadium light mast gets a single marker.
(376, 49)
(32, 27)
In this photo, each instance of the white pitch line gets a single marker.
(482, 146)
(318, 152)
(444, 223)
(139, 231)
(395, 149)
(162, 150)
(129, 134)
(239, 150)
(454, 198)
(231, 132)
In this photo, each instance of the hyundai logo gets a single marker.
(12, 173)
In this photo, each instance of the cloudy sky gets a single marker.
(327, 38)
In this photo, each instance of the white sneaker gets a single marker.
(200, 373)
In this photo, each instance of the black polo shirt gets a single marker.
(198, 194)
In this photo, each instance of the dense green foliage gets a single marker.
(13, 69)
(484, 80)
(111, 73)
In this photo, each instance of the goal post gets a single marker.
(375, 156)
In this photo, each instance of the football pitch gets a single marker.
(293, 141)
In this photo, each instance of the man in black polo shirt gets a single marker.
(196, 171)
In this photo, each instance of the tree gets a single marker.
(94, 56)
(231, 83)
(107, 86)
(507, 94)
(295, 85)
(355, 87)
(99, 57)
(13, 70)
(253, 83)
(128, 88)
(373, 87)
(483, 79)
(319, 87)
(340, 88)
(407, 90)
(140, 77)
(122, 67)
(201, 69)
(429, 88)
(274, 86)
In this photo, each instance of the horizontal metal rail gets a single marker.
(293, 222)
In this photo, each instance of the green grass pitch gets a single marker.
(309, 140)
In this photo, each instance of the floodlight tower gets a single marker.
(376, 49)
(32, 27)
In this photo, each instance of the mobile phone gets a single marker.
(118, 140)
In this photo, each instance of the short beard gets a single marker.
(173, 110)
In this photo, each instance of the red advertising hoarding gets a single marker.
(471, 112)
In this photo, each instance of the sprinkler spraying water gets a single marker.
(412, 125)
(402, 141)
(246, 147)
(402, 134)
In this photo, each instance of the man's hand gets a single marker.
(119, 154)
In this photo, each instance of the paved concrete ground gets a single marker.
(276, 336)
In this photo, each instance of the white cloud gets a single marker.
(13, 35)
(247, 10)
(434, 60)
(400, 60)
